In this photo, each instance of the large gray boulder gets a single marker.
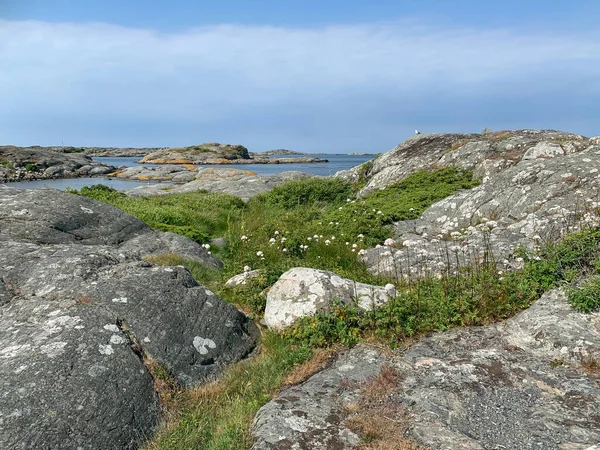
(486, 154)
(81, 313)
(537, 196)
(514, 385)
(302, 292)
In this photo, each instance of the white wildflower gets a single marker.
(259, 253)
(247, 269)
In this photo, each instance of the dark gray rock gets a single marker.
(515, 385)
(78, 309)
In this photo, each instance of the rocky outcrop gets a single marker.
(302, 292)
(81, 314)
(279, 151)
(20, 164)
(96, 151)
(486, 155)
(241, 183)
(177, 173)
(215, 153)
(521, 384)
(536, 187)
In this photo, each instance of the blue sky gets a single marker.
(332, 76)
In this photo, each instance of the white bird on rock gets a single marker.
(417, 132)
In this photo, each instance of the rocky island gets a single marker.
(444, 295)
(30, 163)
(214, 153)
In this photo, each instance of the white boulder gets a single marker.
(242, 278)
(544, 150)
(303, 292)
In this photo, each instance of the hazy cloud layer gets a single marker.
(361, 87)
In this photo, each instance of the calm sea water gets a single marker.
(336, 163)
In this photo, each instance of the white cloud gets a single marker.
(216, 72)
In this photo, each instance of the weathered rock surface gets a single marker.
(242, 278)
(310, 416)
(536, 187)
(486, 155)
(19, 164)
(514, 385)
(302, 292)
(179, 173)
(241, 183)
(78, 311)
(215, 153)
(97, 151)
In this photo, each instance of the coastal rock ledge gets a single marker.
(520, 384)
(82, 314)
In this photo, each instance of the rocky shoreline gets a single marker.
(28, 164)
(90, 319)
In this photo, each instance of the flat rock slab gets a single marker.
(514, 385)
(80, 312)
(241, 183)
(311, 415)
(167, 172)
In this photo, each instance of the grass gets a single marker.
(216, 416)
(475, 296)
(377, 417)
(319, 223)
(197, 215)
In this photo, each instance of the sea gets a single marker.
(336, 163)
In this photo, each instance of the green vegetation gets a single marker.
(587, 297)
(198, 215)
(476, 296)
(319, 223)
(31, 167)
(7, 164)
(73, 150)
(216, 416)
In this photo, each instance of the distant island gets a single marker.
(215, 153)
(280, 151)
(361, 154)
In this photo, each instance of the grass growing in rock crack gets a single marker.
(216, 416)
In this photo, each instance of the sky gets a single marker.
(327, 76)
